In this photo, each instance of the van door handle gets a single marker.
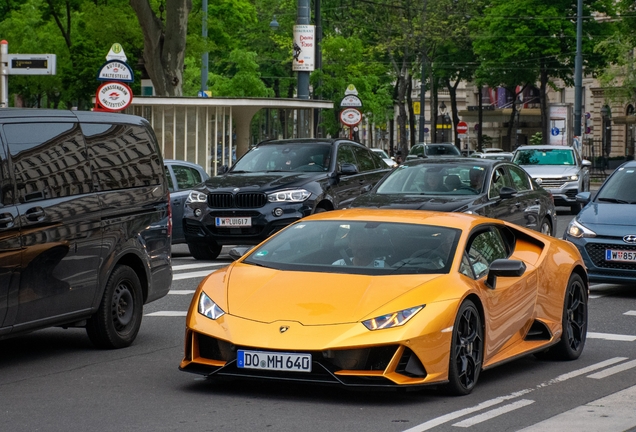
(6, 220)
(35, 214)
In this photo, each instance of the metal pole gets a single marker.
(578, 70)
(4, 74)
(318, 21)
(422, 99)
(303, 76)
(204, 56)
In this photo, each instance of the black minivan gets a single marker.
(85, 223)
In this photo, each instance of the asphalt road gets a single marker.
(54, 380)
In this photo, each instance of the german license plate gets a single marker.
(289, 362)
(233, 221)
(620, 255)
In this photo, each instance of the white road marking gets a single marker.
(632, 313)
(595, 296)
(168, 313)
(487, 404)
(614, 370)
(181, 292)
(199, 265)
(610, 336)
(191, 275)
(494, 413)
(612, 413)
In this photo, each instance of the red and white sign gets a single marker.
(462, 128)
(113, 96)
(350, 116)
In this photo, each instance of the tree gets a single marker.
(245, 80)
(164, 43)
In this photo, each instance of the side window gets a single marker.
(169, 179)
(499, 180)
(365, 160)
(122, 156)
(49, 160)
(345, 155)
(519, 178)
(486, 247)
(186, 177)
(6, 184)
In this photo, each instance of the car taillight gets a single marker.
(169, 215)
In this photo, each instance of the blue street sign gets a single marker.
(555, 131)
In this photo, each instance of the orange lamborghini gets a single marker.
(389, 298)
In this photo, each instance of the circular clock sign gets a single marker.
(350, 116)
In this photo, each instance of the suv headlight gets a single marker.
(196, 197)
(573, 177)
(294, 195)
(208, 308)
(391, 320)
(577, 230)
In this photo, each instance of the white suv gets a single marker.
(558, 168)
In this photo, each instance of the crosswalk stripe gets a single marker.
(612, 413)
(181, 292)
(190, 275)
(614, 370)
(610, 336)
(631, 313)
(168, 313)
(198, 265)
(494, 413)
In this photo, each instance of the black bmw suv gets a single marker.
(274, 184)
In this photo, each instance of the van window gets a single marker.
(49, 160)
(122, 156)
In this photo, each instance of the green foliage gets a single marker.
(245, 79)
(536, 139)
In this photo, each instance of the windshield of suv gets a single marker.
(285, 157)
(544, 157)
(434, 179)
(619, 187)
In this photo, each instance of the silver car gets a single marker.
(559, 169)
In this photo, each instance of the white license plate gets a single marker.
(290, 362)
(234, 221)
(620, 255)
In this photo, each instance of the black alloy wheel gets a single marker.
(205, 251)
(467, 350)
(574, 321)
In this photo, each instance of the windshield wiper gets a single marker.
(614, 200)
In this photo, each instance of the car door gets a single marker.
(372, 168)
(59, 218)
(347, 187)
(509, 306)
(529, 198)
(508, 209)
(181, 179)
(10, 250)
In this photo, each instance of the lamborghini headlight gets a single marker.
(196, 197)
(208, 308)
(577, 230)
(391, 320)
(294, 195)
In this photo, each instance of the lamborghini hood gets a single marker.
(267, 295)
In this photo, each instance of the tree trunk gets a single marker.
(452, 90)
(409, 104)
(164, 56)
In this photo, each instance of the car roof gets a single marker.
(545, 147)
(455, 161)
(84, 116)
(182, 162)
(329, 141)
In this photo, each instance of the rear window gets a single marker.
(442, 150)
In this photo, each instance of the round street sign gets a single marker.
(350, 116)
(462, 127)
(114, 96)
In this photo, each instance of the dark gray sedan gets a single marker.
(492, 188)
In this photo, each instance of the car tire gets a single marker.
(118, 319)
(574, 321)
(467, 351)
(204, 251)
(546, 227)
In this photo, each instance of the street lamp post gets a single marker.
(443, 115)
(518, 105)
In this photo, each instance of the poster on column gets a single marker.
(560, 124)
(304, 48)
